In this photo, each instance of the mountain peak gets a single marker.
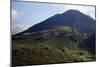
(71, 11)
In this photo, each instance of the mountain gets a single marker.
(62, 38)
(72, 18)
(72, 25)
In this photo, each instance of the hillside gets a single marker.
(58, 45)
(46, 54)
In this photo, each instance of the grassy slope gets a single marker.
(42, 52)
(49, 49)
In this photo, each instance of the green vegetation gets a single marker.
(49, 48)
(46, 54)
(42, 51)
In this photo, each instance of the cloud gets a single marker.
(16, 14)
(19, 28)
(16, 27)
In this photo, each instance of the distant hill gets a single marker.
(73, 18)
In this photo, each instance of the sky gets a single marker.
(27, 14)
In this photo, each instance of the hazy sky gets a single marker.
(26, 14)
